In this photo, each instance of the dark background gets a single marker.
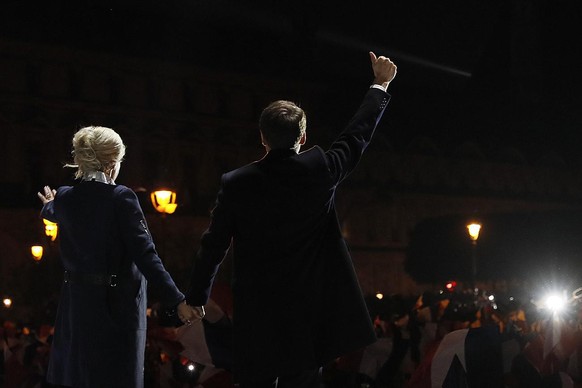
(499, 73)
(541, 247)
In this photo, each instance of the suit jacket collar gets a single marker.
(280, 153)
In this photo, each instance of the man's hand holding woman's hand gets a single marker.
(189, 314)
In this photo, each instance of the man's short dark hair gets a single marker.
(282, 124)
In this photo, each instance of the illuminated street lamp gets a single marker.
(473, 229)
(164, 201)
(7, 302)
(51, 229)
(36, 251)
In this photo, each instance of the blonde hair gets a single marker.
(96, 149)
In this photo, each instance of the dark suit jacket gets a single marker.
(100, 331)
(297, 301)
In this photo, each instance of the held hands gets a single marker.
(384, 70)
(189, 314)
(49, 195)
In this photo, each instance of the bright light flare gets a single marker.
(191, 367)
(555, 302)
(379, 296)
(7, 302)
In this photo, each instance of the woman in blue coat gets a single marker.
(108, 257)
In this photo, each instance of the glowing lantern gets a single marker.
(7, 302)
(164, 201)
(474, 228)
(36, 251)
(50, 229)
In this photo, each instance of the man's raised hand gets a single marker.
(384, 70)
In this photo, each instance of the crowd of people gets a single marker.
(422, 342)
(468, 339)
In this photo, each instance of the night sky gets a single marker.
(503, 74)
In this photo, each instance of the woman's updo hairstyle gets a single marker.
(96, 149)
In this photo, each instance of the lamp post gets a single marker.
(164, 201)
(473, 229)
(49, 249)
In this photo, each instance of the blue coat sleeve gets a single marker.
(48, 210)
(139, 244)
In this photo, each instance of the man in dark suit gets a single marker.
(297, 302)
